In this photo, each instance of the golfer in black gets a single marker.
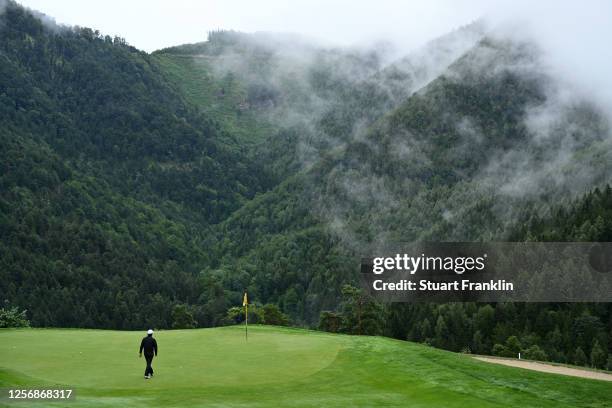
(150, 349)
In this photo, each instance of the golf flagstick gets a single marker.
(245, 303)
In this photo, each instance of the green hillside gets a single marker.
(276, 367)
(150, 190)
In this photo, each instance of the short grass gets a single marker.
(277, 367)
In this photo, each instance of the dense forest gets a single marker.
(153, 189)
(110, 179)
(573, 333)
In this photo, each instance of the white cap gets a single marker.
(150, 331)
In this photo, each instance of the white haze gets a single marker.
(575, 34)
(572, 36)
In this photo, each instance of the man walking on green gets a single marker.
(149, 345)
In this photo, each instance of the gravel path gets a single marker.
(548, 368)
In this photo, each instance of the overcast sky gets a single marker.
(576, 34)
(154, 24)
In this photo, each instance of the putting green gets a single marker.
(276, 367)
(187, 358)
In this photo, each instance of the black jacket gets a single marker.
(149, 345)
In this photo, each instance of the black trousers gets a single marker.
(149, 369)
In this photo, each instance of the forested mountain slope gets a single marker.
(464, 158)
(110, 179)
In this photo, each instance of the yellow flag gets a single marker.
(245, 300)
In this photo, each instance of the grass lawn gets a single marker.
(276, 367)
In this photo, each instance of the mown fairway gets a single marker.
(277, 367)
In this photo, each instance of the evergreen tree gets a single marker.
(182, 318)
(579, 357)
(598, 356)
